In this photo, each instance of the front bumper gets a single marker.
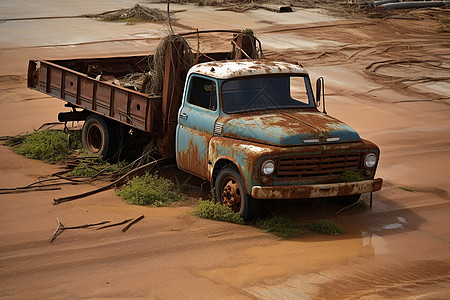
(316, 190)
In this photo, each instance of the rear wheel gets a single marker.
(99, 136)
(229, 190)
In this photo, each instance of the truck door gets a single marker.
(196, 120)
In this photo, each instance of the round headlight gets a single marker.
(268, 167)
(370, 160)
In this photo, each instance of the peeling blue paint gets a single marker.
(288, 129)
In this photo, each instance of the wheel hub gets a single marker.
(231, 195)
(94, 139)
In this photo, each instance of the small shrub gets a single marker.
(351, 176)
(280, 226)
(406, 189)
(48, 145)
(216, 211)
(361, 205)
(149, 189)
(325, 227)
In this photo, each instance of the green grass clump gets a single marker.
(280, 226)
(406, 189)
(325, 227)
(92, 165)
(351, 176)
(149, 189)
(216, 211)
(361, 205)
(49, 145)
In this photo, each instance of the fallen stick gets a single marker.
(60, 228)
(132, 223)
(115, 224)
(119, 181)
(56, 231)
(87, 225)
(32, 189)
(71, 179)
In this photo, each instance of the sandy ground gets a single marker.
(400, 249)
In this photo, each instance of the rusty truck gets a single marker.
(250, 126)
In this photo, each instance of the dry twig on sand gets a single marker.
(132, 223)
(60, 228)
(115, 224)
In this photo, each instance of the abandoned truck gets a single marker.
(251, 127)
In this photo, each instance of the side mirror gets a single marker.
(320, 93)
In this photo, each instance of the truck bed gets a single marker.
(76, 81)
(69, 80)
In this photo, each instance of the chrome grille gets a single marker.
(316, 165)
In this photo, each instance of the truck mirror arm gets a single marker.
(320, 93)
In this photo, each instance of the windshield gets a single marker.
(263, 93)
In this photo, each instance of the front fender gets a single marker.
(245, 155)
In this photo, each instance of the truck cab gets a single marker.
(253, 129)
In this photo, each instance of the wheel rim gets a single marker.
(94, 138)
(231, 194)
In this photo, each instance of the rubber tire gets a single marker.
(99, 136)
(347, 200)
(248, 205)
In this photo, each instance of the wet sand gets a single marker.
(399, 249)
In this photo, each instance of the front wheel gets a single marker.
(229, 190)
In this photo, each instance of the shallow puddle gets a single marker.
(301, 256)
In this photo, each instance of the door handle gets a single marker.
(184, 116)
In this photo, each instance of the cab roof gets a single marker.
(245, 67)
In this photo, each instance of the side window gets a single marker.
(203, 93)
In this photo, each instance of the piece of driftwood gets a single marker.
(132, 223)
(60, 228)
(115, 224)
(122, 180)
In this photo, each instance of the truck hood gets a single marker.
(289, 129)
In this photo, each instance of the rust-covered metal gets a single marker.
(246, 67)
(248, 157)
(130, 107)
(172, 96)
(316, 190)
(244, 46)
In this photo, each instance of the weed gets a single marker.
(351, 176)
(216, 211)
(149, 189)
(361, 205)
(406, 189)
(92, 165)
(48, 145)
(325, 227)
(445, 26)
(280, 226)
